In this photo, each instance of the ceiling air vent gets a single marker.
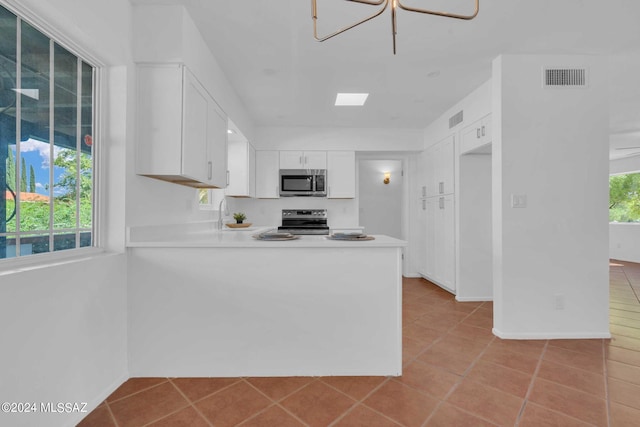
(565, 77)
(455, 119)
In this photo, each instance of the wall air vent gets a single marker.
(565, 77)
(455, 119)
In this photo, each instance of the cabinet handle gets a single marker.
(424, 191)
(305, 160)
(228, 178)
(209, 170)
(441, 202)
(478, 133)
(441, 187)
(482, 130)
(424, 205)
(301, 161)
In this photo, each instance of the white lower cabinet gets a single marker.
(267, 174)
(439, 227)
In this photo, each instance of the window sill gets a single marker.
(34, 262)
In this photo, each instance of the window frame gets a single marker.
(58, 37)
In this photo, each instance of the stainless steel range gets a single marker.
(304, 221)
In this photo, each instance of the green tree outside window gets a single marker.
(624, 198)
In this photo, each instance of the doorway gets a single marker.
(380, 203)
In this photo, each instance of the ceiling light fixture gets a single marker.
(395, 4)
(351, 99)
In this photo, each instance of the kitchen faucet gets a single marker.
(226, 211)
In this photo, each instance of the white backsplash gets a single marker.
(340, 212)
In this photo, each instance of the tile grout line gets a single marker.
(437, 340)
(534, 377)
(606, 385)
(630, 285)
(113, 417)
(459, 381)
(361, 402)
(277, 402)
(189, 403)
(139, 391)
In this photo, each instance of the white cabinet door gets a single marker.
(194, 140)
(252, 171)
(303, 159)
(291, 159)
(267, 174)
(429, 164)
(446, 165)
(341, 174)
(241, 181)
(217, 125)
(439, 167)
(431, 228)
(439, 262)
(315, 159)
(476, 135)
(446, 230)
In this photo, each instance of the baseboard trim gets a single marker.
(550, 335)
(96, 401)
(473, 299)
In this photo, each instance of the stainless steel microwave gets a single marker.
(303, 182)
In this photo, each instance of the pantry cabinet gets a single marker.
(436, 212)
(303, 159)
(476, 136)
(440, 167)
(341, 174)
(267, 174)
(241, 180)
(182, 132)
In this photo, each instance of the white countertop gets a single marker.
(205, 235)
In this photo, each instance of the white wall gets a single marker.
(303, 138)
(64, 336)
(624, 239)
(268, 212)
(475, 253)
(552, 146)
(381, 205)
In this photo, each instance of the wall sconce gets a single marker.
(387, 177)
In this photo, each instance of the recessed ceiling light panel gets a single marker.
(351, 99)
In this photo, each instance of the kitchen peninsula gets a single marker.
(204, 302)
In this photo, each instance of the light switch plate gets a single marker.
(518, 200)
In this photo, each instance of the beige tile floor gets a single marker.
(456, 373)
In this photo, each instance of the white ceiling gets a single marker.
(286, 78)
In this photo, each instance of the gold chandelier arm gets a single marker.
(371, 2)
(445, 14)
(314, 11)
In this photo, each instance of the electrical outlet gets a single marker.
(558, 301)
(518, 200)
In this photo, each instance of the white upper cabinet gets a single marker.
(476, 136)
(341, 174)
(217, 157)
(440, 167)
(303, 159)
(267, 174)
(242, 164)
(182, 132)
